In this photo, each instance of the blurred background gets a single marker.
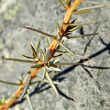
(88, 84)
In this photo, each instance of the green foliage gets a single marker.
(4, 101)
(13, 11)
(1, 44)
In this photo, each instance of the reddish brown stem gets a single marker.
(52, 48)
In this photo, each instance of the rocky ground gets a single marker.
(89, 84)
